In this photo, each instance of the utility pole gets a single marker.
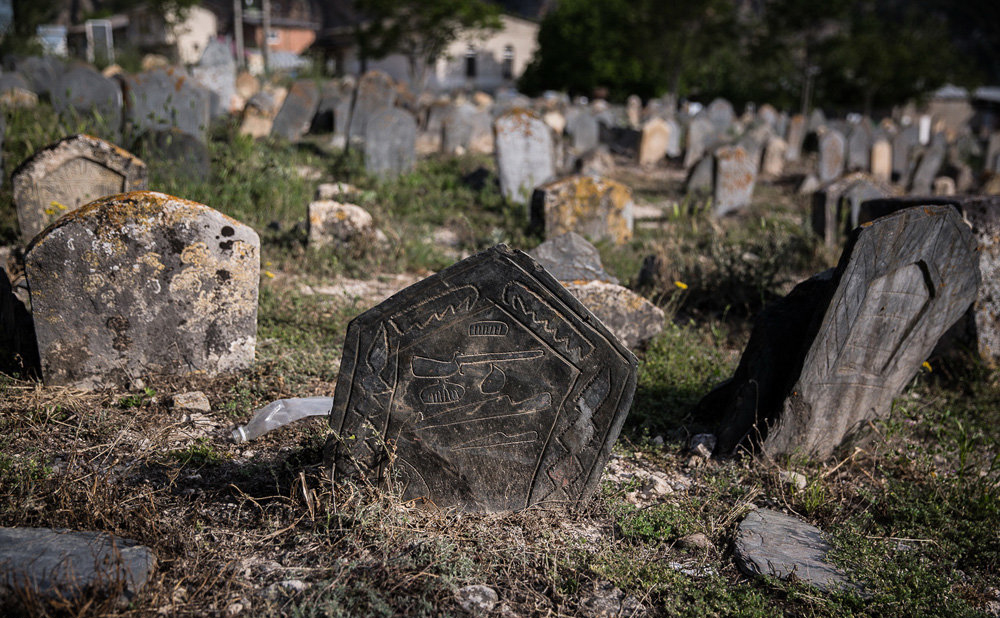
(238, 31)
(265, 20)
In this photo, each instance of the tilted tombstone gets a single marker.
(583, 129)
(376, 92)
(882, 159)
(700, 135)
(735, 177)
(930, 163)
(41, 72)
(464, 124)
(569, 257)
(169, 286)
(390, 143)
(829, 358)
(216, 70)
(859, 145)
(84, 90)
(992, 162)
(837, 205)
(332, 98)
(178, 153)
(525, 153)
(592, 206)
(655, 141)
(166, 98)
(796, 136)
(297, 111)
(699, 179)
(260, 111)
(485, 387)
(65, 175)
(831, 155)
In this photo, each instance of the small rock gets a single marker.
(334, 190)
(307, 172)
(606, 601)
(630, 317)
(477, 599)
(194, 401)
(794, 479)
(702, 444)
(655, 487)
(696, 541)
(294, 585)
(339, 224)
(658, 441)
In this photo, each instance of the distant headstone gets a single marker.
(773, 164)
(769, 543)
(829, 358)
(84, 90)
(167, 98)
(882, 159)
(376, 93)
(633, 109)
(216, 70)
(721, 114)
(837, 205)
(41, 72)
(700, 135)
(65, 175)
(675, 145)
(817, 119)
(859, 145)
(330, 116)
(930, 163)
(768, 115)
(588, 205)
(178, 153)
(630, 317)
(583, 129)
(796, 137)
(467, 129)
(735, 177)
(390, 143)
(904, 145)
(63, 565)
(297, 111)
(700, 178)
(992, 162)
(655, 141)
(170, 287)
(492, 386)
(831, 155)
(261, 110)
(15, 91)
(569, 257)
(525, 154)
(944, 186)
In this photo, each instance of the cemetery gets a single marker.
(291, 344)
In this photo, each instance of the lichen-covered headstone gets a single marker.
(831, 155)
(589, 205)
(297, 110)
(390, 143)
(68, 174)
(143, 283)
(168, 98)
(830, 357)
(525, 152)
(85, 91)
(486, 387)
(735, 177)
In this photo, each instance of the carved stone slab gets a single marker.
(68, 174)
(143, 283)
(486, 387)
(831, 356)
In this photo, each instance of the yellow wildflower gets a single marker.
(269, 274)
(681, 285)
(927, 366)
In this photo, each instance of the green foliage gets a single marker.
(199, 454)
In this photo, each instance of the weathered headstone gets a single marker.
(773, 164)
(778, 545)
(390, 143)
(630, 317)
(525, 154)
(165, 99)
(555, 119)
(735, 177)
(655, 140)
(829, 358)
(216, 70)
(700, 134)
(992, 162)
(261, 110)
(65, 175)
(376, 92)
(700, 178)
(588, 205)
(170, 287)
(485, 387)
(583, 129)
(339, 224)
(297, 111)
(768, 115)
(84, 90)
(831, 155)
(721, 114)
(178, 153)
(859, 145)
(467, 129)
(904, 144)
(882, 159)
(62, 566)
(633, 108)
(817, 119)
(675, 145)
(836, 205)
(569, 257)
(930, 164)
(796, 137)
(41, 72)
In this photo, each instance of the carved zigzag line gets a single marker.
(546, 325)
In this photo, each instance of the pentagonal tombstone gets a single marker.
(143, 283)
(485, 387)
(68, 174)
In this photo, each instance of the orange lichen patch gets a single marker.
(592, 205)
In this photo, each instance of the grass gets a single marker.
(912, 515)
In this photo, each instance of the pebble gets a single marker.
(794, 479)
(194, 401)
(703, 444)
(477, 599)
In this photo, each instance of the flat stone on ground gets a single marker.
(632, 318)
(569, 257)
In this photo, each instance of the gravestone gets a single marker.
(169, 286)
(837, 205)
(556, 120)
(655, 140)
(84, 90)
(817, 119)
(341, 225)
(721, 114)
(796, 137)
(41, 72)
(59, 566)
(700, 178)
(992, 162)
(261, 110)
(773, 164)
(390, 143)
(592, 206)
(859, 145)
(179, 154)
(930, 164)
(830, 357)
(735, 177)
(700, 134)
(583, 129)
(569, 257)
(216, 70)
(882, 159)
(376, 92)
(944, 186)
(904, 145)
(15, 91)
(768, 115)
(675, 145)
(329, 116)
(297, 111)
(65, 175)
(633, 109)
(468, 129)
(166, 98)
(492, 386)
(525, 153)
(831, 155)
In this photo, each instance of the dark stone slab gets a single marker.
(216, 70)
(169, 287)
(296, 113)
(84, 90)
(167, 98)
(700, 179)
(333, 108)
(769, 543)
(831, 356)
(904, 146)
(65, 175)
(63, 565)
(376, 92)
(494, 387)
(41, 72)
(390, 143)
(859, 149)
(525, 152)
(836, 206)
(569, 257)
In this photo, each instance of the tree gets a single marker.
(420, 30)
